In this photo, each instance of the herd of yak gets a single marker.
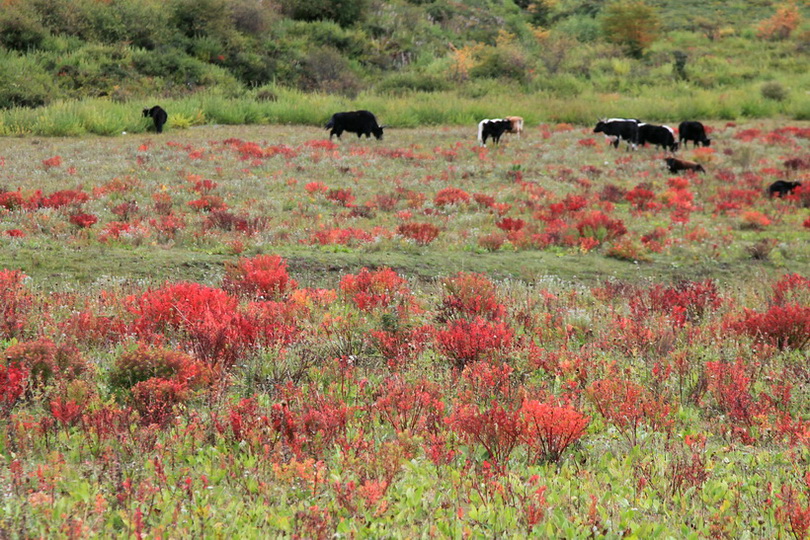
(631, 130)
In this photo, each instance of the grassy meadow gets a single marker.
(254, 331)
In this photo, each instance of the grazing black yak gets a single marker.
(158, 115)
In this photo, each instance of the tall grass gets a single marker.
(679, 101)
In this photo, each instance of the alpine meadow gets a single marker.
(404, 269)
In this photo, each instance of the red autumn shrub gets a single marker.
(510, 224)
(400, 347)
(410, 407)
(464, 342)
(642, 199)
(45, 361)
(155, 399)
(484, 381)
(316, 187)
(451, 195)
(16, 303)
(372, 289)
(177, 306)
(629, 407)
(146, 362)
(274, 323)
(496, 429)
(792, 514)
(492, 241)
(207, 319)
(13, 379)
(344, 236)
(421, 233)
(597, 225)
(62, 198)
(549, 429)
(11, 200)
(262, 276)
(730, 385)
(784, 326)
(208, 203)
(344, 197)
(470, 295)
(83, 221)
(754, 220)
(54, 161)
(793, 288)
(686, 301)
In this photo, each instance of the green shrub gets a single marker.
(60, 120)
(20, 29)
(23, 81)
(412, 82)
(632, 24)
(503, 62)
(325, 70)
(774, 90)
(343, 12)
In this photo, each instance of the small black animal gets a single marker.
(676, 165)
(158, 115)
(662, 136)
(782, 188)
(360, 122)
(693, 131)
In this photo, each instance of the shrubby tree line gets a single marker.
(127, 49)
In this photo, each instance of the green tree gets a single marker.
(631, 24)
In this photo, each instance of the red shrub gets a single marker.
(83, 221)
(731, 387)
(793, 514)
(510, 224)
(344, 197)
(451, 195)
(316, 187)
(263, 276)
(497, 429)
(156, 398)
(483, 381)
(62, 198)
(422, 233)
(11, 200)
(464, 341)
(410, 407)
(642, 199)
(208, 203)
(549, 430)
(54, 161)
(492, 241)
(146, 362)
(372, 289)
(470, 295)
(628, 406)
(16, 303)
(793, 287)
(13, 380)
(686, 301)
(784, 326)
(398, 348)
(45, 362)
(599, 226)
(207, 318)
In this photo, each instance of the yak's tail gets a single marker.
(481, 131)
(330, 124)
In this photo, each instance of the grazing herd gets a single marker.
(631, 130)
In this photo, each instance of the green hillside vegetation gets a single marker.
(581, 58)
